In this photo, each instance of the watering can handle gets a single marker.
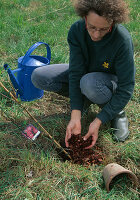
(33, 47)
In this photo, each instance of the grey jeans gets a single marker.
(98, 87)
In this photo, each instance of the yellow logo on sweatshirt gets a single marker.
(105, 65)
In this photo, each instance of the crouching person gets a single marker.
(101, 68)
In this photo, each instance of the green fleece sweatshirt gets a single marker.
(113, 54)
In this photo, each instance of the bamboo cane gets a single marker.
(16, 100)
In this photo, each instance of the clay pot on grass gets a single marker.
(113, 170)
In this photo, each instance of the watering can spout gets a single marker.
(6, 66)
(13, 78)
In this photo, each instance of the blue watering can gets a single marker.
(26, 64)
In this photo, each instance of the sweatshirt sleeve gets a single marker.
(76, 69)
(125, 71)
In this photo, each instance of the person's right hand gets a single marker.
(74, 126)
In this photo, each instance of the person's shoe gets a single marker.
(120, 127)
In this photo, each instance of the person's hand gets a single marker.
(93, 131)
(74, 126)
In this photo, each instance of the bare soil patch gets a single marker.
(81, 155)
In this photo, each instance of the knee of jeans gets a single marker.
(95, 91)
(40, 80)
(35, 77)
(44, 81)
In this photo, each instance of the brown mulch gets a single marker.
(83, 156)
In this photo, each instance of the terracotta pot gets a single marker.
(112, 170)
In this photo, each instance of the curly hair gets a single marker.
(113, 10)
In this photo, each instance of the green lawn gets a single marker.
(37, 170)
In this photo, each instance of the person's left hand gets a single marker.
(93, 131)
